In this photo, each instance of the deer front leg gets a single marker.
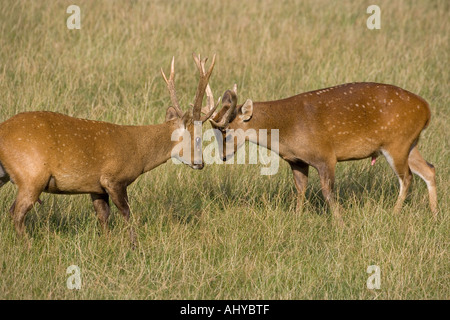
(23, 204)
(119, 196)
(326, 174)
(11, 210)
(27, 195)
(300, 172)
(101, 206)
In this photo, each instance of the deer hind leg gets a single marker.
(300, 172)
(101, 206)
(326, 175)
(426, 171)
(399, 163)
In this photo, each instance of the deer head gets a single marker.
(187, 125)
(230, 118)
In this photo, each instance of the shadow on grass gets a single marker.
(60, 215)
(353, 187)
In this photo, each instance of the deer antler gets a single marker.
(210, 109)
(171, 86)
(202, 87)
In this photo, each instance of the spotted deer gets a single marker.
(322, 127)
(55, 153)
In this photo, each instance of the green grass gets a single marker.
(227, 232)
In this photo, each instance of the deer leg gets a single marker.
(26, 197)
(11, 210)
(300, 172)
(326, 174)
(101, 206)
(119, 197)
(4, 176)
(425, 171)
(405, 181)
(399, 164)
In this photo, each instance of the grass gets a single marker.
(227, 232)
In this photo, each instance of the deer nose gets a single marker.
(198, 166)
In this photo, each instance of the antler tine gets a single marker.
(209, 97)
(211, 112)
(202, 84)
(225, 120)
(208, 91)
(172, 72)
(171, 87)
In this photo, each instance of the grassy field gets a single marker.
(227, 232)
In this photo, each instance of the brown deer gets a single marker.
(54, 153)
(346, 122)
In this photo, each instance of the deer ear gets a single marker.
(171, 114)
(247, 110)
(229, 98)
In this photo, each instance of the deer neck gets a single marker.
(265, 119)
(154, 144)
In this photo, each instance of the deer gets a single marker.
(51, 152)
(319, 128)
